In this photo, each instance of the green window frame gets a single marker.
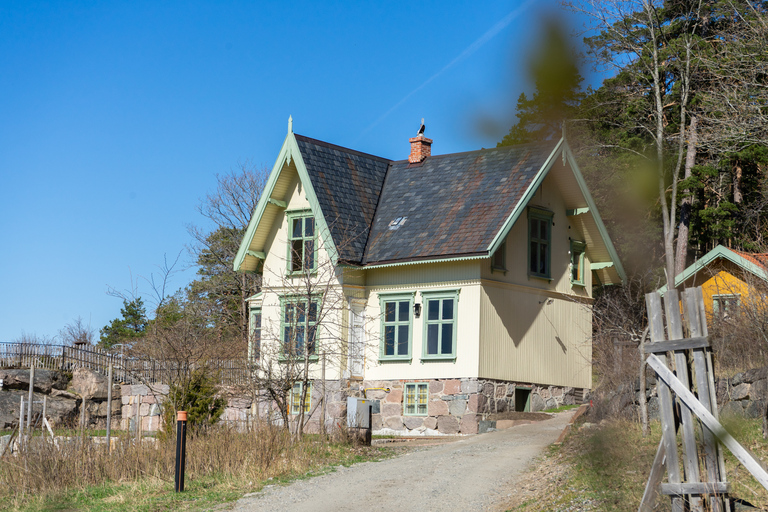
(302, 242)
(415, 398)
(499, 258)
(396, 326)
(577, 262)
(297, 315)
(440, 313)
(294, 405)
(254, 340)
(539, 243)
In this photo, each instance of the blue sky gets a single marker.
(115, 118)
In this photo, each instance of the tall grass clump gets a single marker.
(44, 473)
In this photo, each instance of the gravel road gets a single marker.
(474, 473)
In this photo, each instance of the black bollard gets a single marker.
(181, 449)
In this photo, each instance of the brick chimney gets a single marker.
(421, 148)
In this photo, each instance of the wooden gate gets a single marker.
(686, 339)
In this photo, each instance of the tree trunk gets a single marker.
(738, 197)
(685, 205)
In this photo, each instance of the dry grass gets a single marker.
(221, 465)
(606, 467)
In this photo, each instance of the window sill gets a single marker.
(438, 359)
(416, 415)
(578, 283)
(542, 277)
(499, 270)
(390, 359)
(297, 359)
(300, 273)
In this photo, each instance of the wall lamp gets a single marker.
(417, 310)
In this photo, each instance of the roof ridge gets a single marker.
(341, 148)
(481, 150)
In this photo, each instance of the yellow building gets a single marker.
(728, 278)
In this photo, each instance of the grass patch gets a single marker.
(606, 468)
(221, 466)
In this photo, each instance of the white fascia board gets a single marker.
(593, 211)
(527, 196)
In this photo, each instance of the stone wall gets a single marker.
(744, 394)
(455, 406)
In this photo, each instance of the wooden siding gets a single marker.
(721, 278)
(524, 339)
(563, 230)
(450, 273)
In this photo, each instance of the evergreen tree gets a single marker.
(127, 329)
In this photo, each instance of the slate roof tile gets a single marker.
(449, 205)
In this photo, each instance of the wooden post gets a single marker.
(690, 451)
(666, 406)
(137, 426)
(109, 406)
(322, 415)
(21, 421)
(45, 412)
(29, 400)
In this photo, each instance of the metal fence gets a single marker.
(128, 370)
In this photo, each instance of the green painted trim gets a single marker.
(434, 260)
(527, 196)
(277, 202)
(600, 265)
(253, 355)
(396, 297)
(581, 248)
(256, 254)
(282, 357)
(718, 252)
(503, 249)
(290, 216)
(437, 295)
(416, 385)
(595, 214)
(538, 213)
(289, 151)
(255, 296)
(282, 157)
(576, 211)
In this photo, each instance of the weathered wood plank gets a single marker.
(709, 421)
(688, 428)
(668, 434)
(672, 345)
(696, 488)
(654, 480)
(695, 321)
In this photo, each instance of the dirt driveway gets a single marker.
(474, 473)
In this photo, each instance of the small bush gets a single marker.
(197, 396)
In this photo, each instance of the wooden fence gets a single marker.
(127, 370)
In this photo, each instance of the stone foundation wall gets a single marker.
(455, 406)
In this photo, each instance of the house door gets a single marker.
(356, 340)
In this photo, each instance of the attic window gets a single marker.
(302, 250)
(397, 223)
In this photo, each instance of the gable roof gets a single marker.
(756, 263)
(376, 212)
(451, 205)
(347, 185)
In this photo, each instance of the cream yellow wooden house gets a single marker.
(445, 287)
